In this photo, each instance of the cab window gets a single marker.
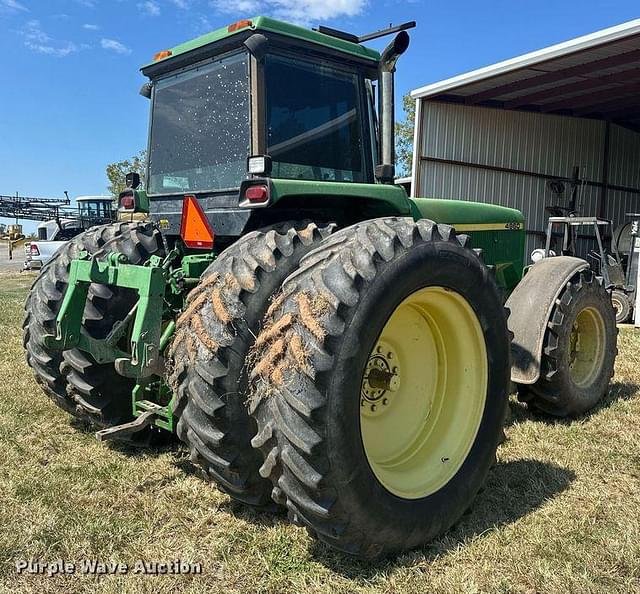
(314, 121)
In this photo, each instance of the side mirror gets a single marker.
(132, 179)
(146, 89)
(257, 45)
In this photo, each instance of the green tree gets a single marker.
(404, 136)
(116, 172)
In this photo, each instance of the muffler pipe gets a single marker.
(385, 171)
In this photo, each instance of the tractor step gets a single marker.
(122, 432)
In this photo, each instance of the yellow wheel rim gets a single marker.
(586, 347)
(423, 393)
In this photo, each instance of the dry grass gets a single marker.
(561, 512)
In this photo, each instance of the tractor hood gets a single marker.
(465, 215)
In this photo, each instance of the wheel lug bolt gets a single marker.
(385, 401)
(389, 355)
(373, 408)
(395, 370)
(379, 349)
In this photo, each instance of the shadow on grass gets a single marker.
(513, 490)
(263, 517)
(267, 516)
(520, 413)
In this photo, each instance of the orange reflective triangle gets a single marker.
(194, 228)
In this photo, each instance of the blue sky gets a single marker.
(69, 75)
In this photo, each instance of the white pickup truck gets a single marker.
(39, 252)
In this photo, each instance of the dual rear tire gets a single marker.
(375, 376)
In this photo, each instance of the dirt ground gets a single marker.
(14, 265)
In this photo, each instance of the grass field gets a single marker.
(560, 513)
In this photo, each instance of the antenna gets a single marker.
(389, 31)
(369, 36)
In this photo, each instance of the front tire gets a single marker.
(579, 350)
(387, 309)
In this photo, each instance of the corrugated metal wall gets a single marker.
(540, 144)
(624, 170)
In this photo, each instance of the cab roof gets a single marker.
(270, 25)
(94, 198)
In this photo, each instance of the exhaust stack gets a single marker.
(385, 171)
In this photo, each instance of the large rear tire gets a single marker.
(212, 339)
(88, 390)
(41, 309)
(380, 385)
(579, 350)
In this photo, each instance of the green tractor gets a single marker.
(320, 342)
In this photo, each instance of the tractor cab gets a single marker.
(261, 101)
(90, 211)
(95, 210)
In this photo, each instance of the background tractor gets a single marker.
(319, 341)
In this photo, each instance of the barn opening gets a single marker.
(538, 131)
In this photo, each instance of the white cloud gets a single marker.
(114, 46)
(202, 25)
(41, 42)
(183, 4)
(240, 7)
(298, 11)
(248, 6)
(87, 3)
(90, 27)
(12, 6)
(150, 8)
(33, 32)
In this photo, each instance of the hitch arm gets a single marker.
(148, 281)
(127, 429)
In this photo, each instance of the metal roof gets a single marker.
(595, 76)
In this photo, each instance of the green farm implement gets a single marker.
(320, 342)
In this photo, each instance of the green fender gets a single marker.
(531, 305)
(380, 199)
